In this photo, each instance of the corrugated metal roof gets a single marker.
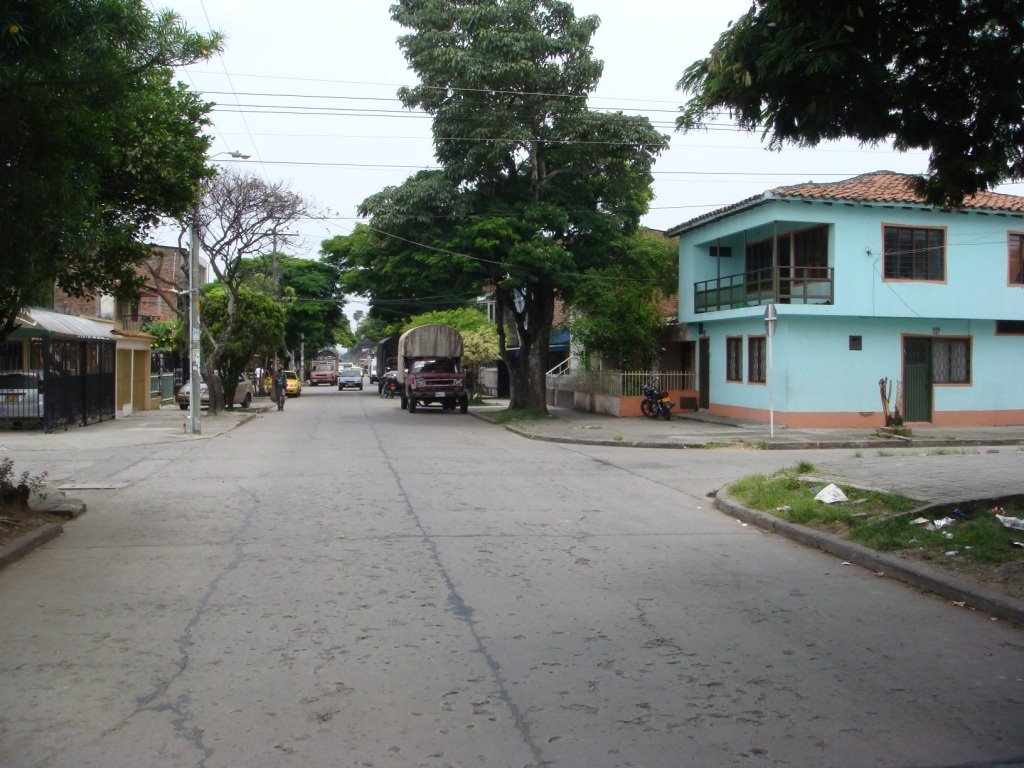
(59, 324)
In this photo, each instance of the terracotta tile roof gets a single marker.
(889, 187)
(877, 187)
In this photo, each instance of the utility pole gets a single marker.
(194, 425)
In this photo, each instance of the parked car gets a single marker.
(292, 384)
(21, 397)
(350, 377)
(243, 394)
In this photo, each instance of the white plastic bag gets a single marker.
(1011, 522)
(831, 494)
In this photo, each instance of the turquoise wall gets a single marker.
(813, 368)
(976, 260)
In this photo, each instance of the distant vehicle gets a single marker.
(21, 397)
(373, 370)
(292, 385)
(350, 377)
(243, 394)
(323, 370)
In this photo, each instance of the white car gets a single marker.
(350, 377)
(243, 394)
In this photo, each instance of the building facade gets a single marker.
(872, 289)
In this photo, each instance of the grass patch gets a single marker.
(516, 417)
(880, 520)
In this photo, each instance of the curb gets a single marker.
(743, 441)
(919, 576)
(20, 547)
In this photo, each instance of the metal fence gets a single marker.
(621, 383)
(162, 385)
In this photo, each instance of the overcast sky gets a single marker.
(307, 88)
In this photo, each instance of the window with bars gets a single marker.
(1016, 243)
(914, 253)
(951, 361)
(756, 368)
(734, 358)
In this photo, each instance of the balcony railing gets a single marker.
(778, 285)
(129, 322)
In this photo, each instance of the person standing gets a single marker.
(280, 382)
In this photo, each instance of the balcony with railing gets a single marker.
(134, 322)
(775, 285)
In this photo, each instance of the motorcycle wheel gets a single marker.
(648, 410)
(666, 411)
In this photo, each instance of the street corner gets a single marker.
(944, 584)
(16, 549)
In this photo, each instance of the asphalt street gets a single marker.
(346, 579)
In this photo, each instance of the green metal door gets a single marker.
(704, 374)
(917, 379)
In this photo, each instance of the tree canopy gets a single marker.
(618, 312)
(259, 327)
(533, 183)
(944, 76)
(311, 296)
(99, 142)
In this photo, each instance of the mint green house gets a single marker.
(867, 283)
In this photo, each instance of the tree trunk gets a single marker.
(527, 366)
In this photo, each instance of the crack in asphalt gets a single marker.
(465, 612)
(184, 720)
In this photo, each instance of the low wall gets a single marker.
(623, 407)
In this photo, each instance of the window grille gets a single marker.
(951, 361)
(756, 353)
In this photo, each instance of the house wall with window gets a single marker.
(868, 283)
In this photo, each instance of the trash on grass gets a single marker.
(953, 553)
(920, 521)
(945, 522)
(831, 494)
(784, 508)
(1010, 522)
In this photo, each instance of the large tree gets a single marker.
(240, 217)
(534, 183)
(98, 141)
(941, 75)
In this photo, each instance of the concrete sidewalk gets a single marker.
(702, 430)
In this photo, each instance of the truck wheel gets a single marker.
(248, 400)
(464, 404)
(412, 405)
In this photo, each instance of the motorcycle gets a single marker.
(656, 402)
(389, 386)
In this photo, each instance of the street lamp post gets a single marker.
(771, 322)
(194, 327)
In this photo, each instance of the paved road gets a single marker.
(347, 584)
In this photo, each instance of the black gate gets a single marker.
(79, 382)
